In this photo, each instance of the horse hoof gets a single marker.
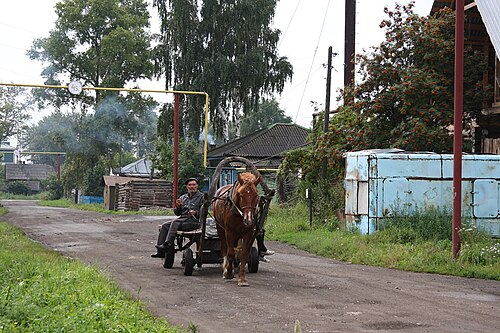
(243, 284)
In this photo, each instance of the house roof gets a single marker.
(267, 144)
(4, 147)
(27, 171)
(140, 168)
(490, 12)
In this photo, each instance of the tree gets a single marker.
(225, 48)
(14, 111)
(405, 99)
(101, 43)
(268, 113)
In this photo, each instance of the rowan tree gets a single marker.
(405, 95)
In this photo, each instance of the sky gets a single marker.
(308, 28)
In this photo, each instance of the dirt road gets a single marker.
(324, 295)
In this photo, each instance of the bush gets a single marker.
(54, 188)
(18, 187)
(327, 198)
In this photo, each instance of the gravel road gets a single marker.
(322, 294)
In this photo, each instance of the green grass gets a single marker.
(67, 203)
(41, 291)
(403, 246)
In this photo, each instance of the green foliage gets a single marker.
(14, 111)
(99, 43)
(41, 291)
(327, 199)
(268, 113)
(53, 187)
(226, 49)
(190, 162)
(18, 187)
(405, 98)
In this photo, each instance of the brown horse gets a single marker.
(234, 210)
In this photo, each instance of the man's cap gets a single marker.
(190, 180)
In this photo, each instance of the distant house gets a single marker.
(33, 174)
(6, 153)
(482, 32)
(265, 148)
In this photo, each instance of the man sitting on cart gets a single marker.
(187, 207)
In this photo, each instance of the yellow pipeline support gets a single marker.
(205, 145)
(41, 153)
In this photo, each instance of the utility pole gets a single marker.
(326, 120)
(349, 43)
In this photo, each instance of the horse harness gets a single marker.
(229, 201)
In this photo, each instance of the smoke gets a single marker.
(210, 137)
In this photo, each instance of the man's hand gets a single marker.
(178, 203)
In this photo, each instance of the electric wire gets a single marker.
(289, 23)
(312, 62)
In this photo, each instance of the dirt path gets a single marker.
(324, 295)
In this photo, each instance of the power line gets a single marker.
(312, 62)
(289, 23)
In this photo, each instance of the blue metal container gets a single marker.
(381, 183)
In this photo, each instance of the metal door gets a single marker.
(485, 198)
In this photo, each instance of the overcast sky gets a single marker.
(308, 28)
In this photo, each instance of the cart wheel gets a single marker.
(188, 262)
(253, 263)
(169, 258)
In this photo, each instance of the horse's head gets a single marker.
(247, 196)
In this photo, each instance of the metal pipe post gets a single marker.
(176, 148)
(457, 127)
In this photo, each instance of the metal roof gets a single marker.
(140, 168)
(490, 13)
(264, 144)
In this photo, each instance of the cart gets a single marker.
(208, 246)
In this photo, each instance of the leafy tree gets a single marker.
(405, 99)
(101, 43)
(190, 155)
(268, 113)
(14, 111)
(225, 48)
(53, 187)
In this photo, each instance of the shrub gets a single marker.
(18, 187)
(54, 188)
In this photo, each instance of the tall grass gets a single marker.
(420, 243)
(40, 291)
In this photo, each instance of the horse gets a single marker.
(234, 210)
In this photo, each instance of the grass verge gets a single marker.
(67, 203)
(41, 291)
(400, 246)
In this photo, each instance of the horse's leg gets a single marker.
(230, 257)
(242, 280)
(223, 246)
